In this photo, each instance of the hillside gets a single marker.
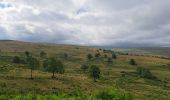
(14, 78)
(155, 51)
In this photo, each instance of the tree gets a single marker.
(33, 63)
(95, 72)
(114, 56)
(84, 67)
(89, 56)
(97, 55)
(16, 60)
(27, 53)
(43, 54)
(144, 73)
(54, 66)
(132, 62)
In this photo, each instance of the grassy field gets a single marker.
(154, 51)
(14, 78)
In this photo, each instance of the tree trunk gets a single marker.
(95, 80)
(53, 76)
(31, 74)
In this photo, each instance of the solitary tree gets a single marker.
(27, 53)
(89, 56)
(43, 54)
(33, 63)
(114, 56)
(132, 62)
(95, 72)
(54, 66)
(16, 60)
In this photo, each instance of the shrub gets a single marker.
(27, 53)
(89, 56)
(16, 60)
(97, 55)
(132, 62)
(114, 56)
(95, 72)
(113, 95)
(43, 54)
(144, 73)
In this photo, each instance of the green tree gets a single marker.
(114, 56)
(132, 62)
(16, 60)
(89, 56)
(33, 63)
(95, 72)
(97, 55)
(54, 66)
(27, 53)
(43, 54)
(144, 73)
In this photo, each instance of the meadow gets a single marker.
(119, 80)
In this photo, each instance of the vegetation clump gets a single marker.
(132, 62)
(43, 54)
(95, 72)
(18, 60)
(144, 73)
(89, 56)
(97, 55)
(114, 56)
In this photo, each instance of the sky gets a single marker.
(87, 22)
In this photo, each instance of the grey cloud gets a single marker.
(88, 22)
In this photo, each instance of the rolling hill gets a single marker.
(14, 78)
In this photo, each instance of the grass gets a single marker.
(15, 82)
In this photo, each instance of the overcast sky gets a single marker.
(87, 22)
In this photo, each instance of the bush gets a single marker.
(18, 60)
(114, 56)
(132, 62)
(95, 72)
(89, 56)
(144, 73)
(97, 55)
(43, 54)
(113, 95)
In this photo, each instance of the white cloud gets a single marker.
(87, 22)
